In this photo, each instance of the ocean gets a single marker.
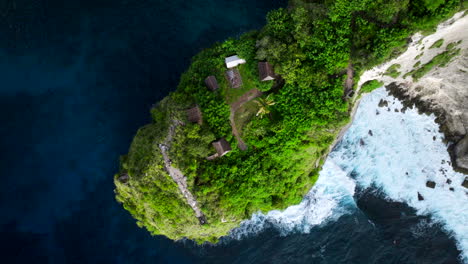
(77, 79)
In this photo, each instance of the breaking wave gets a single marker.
(399, 153)
(395, 151)
(331, 197)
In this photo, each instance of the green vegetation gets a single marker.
(310, 46)
(419, 56)
(440, 60)
(437, 44)
(452, 45)
(392, 71)
(371, 85)
(264, 106)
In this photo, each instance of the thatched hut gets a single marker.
(194, 115)
(123, 177)
(211, 83)
(222, 146)
(234, 78)
(265, 71)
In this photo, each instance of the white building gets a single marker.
(233, 61)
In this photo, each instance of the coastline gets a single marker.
(441, 91)
(218, 186)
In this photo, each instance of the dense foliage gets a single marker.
(371, 85)
(310, 45)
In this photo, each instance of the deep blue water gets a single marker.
(77, 79)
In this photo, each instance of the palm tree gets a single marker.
(264, 104)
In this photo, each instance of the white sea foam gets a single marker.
(331, 197)
(399, 157)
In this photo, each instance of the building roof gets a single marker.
(123, 178)
(211, 83)
(222, 146)
(234, 78)
(233, 61)
(265, 71)
(194, 115)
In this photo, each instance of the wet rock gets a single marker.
(370, 133)
(383, 103)
(465, 183)
(461, 153)
(452, 189)
(451, 123)
(361, 142)
(420, 197)
(434, 138)
(449, 181)
(430, 184)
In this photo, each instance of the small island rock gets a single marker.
(420, 197)
(430, 184)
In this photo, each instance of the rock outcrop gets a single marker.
(465, 183)
(177, 174)
(442, 91)
(420, 197)
(430, 184)
(460, 153)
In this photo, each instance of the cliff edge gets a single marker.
(433, 76)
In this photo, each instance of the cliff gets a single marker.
(432, 75)
(270, 137)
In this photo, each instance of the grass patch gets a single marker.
(371, 85)
(437, 44)
(392, 71)
(452, 45)
(249, 82)
(408, 74)
(419, 56)
(440, 60)
(417, 64)
(244, 114)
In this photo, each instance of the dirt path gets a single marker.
(252, 94)
(349, 80)
(177, 175)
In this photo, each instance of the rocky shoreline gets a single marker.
(451, 126)
(442, 91)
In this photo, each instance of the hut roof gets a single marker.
(123, 178)
(194, 115)
(211, 83)
(265, 71)
(222, 146)
(234, 78)
(233, 61)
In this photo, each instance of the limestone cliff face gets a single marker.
(443, 90)
(461, 153)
